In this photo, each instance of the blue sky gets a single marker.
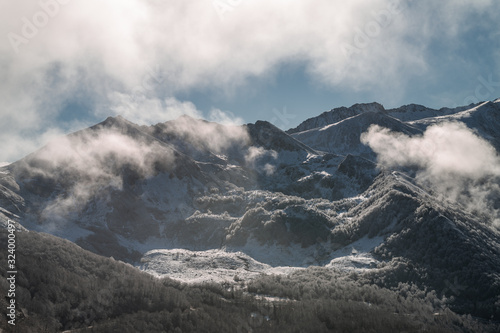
(68, 64)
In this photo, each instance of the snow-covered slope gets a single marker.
(405, 113)
(413, 112)
(335, 115)
(120, 190)
(343, 137)
(484, 118)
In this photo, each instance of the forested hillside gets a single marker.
(63, 287)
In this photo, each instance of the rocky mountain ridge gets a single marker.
(253, 199)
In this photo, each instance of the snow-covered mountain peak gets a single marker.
(368, 107)
(343, 137)
(336, 115)
(114, 122)
(181, 121)
(266, 135)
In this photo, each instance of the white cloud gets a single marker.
(88, 163)
(451, 160)
(257, 158)
(450, 147)
(106, 50)
(225, 118)
(204, 135)
(269, 169)
(145, 111)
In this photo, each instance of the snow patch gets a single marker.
(207, 266)
(356, 256)
(201, 266)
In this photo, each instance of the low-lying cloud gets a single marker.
(260, 158)
(154, 110)
(90, 163)
(450, 159)
(204, 135)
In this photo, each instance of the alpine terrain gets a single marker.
(360, 219)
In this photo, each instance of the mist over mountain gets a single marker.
(394, 198)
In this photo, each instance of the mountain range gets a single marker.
(395, 196)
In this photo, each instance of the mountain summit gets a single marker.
(335, 115)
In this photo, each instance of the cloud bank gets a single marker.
(450, 159)
(136, 56)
